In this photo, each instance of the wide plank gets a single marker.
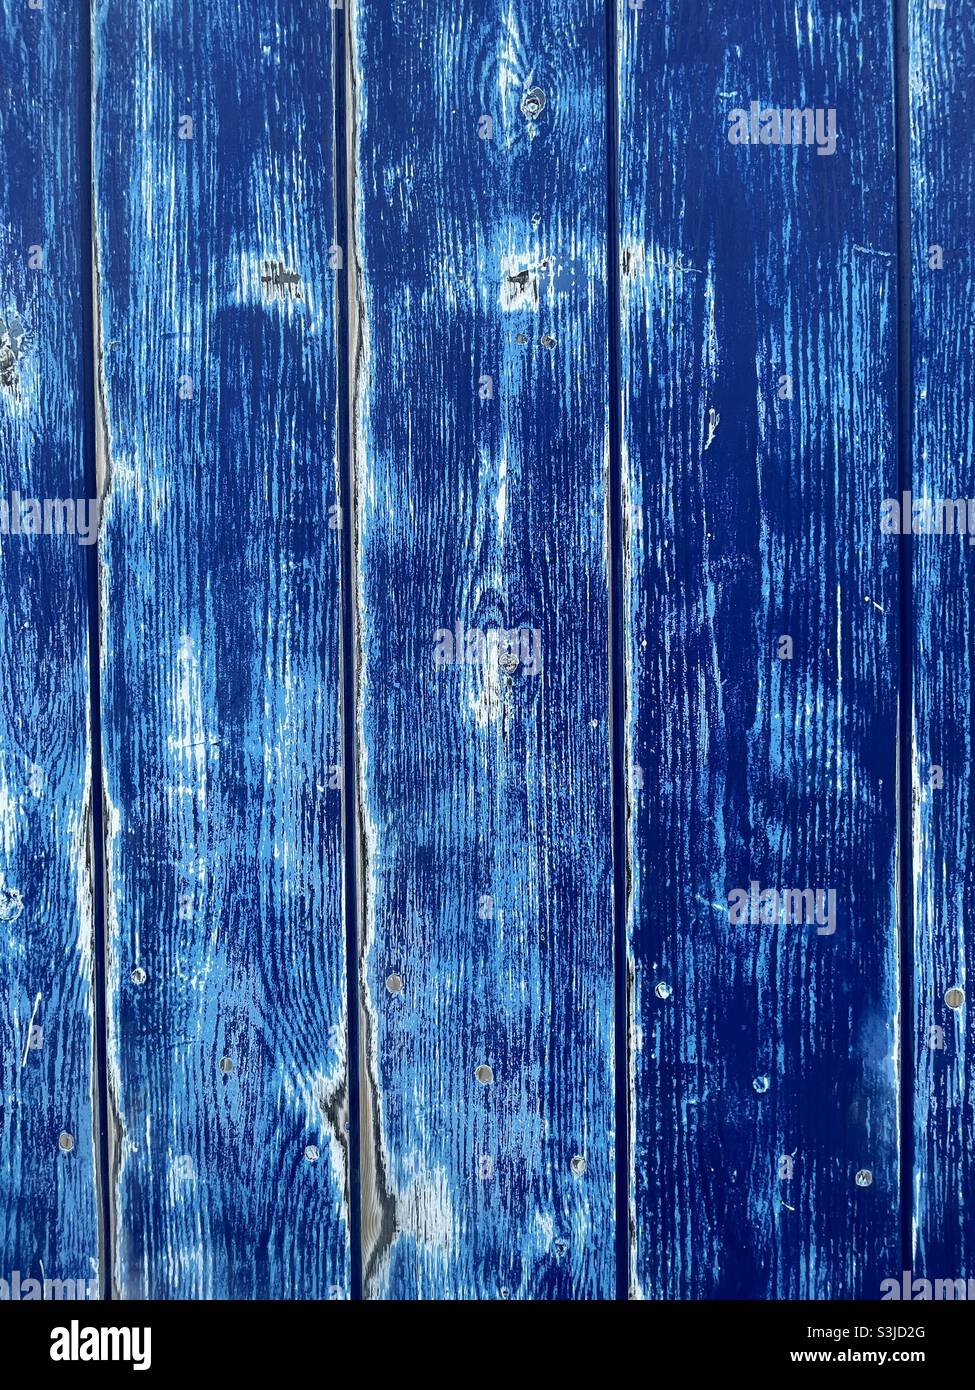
(758, 309)
(49, 1141)
(481, 400)
(220, 584)
(49, 1130)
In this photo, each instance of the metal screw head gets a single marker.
(761, 1084)
(226, 1065)
(864, 1178)
(484, 1074)
(954, 997)
(312, 1153)
(533, 102)
(394, 983)
(65, 1142)
(663, 990)
(548, 342)
(578, 1164)
(138, 976)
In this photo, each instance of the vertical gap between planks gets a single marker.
(905, 700)
(341, 17)
(96, 829)
(617, 673)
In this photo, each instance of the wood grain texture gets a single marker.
(752, 513)
(942, 46)
(220, 594)
(485, 796)
(48, 1204)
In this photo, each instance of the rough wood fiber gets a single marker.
(942, 46)
(220, 593)
(760, 1051)
(484, 785)
(48, 1205)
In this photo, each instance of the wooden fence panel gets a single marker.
(798, 1054)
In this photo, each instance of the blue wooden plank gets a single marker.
(758, 283)
(942, 48)
(481, 410)
(48, 1144)
(220, 580)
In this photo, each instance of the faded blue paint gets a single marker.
(749, 517)
(485, 798)
(48, 1202)
(220, 588)
(483, 815)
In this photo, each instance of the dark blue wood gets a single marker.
(764, 1057)
(48, 1145)
(481, 411)
(942, 43)
(221, 604)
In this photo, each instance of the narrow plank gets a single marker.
(220, 581)
(481, 408)
(48, 1142)
(758, 287)
(942, 49)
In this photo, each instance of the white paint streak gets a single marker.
(30, 1025)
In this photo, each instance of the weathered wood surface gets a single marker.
(48, 1144)
(220, 606)
(770, 1124)
(759, 377)
(942, 46)
(481, 399)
